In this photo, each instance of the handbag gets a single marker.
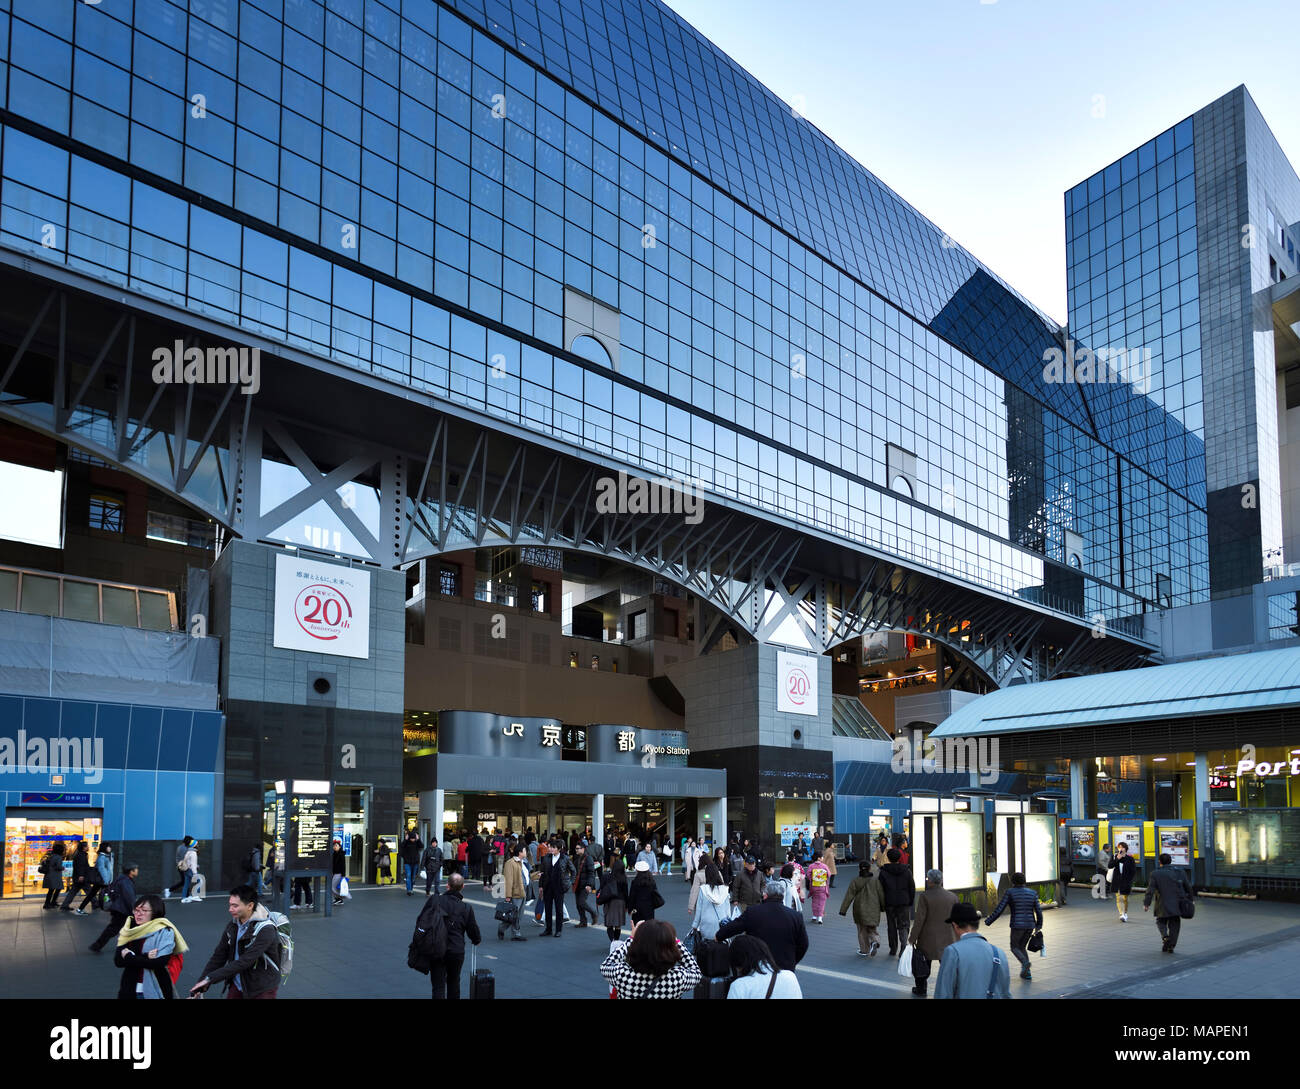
(1035, 943)
(1186, 907)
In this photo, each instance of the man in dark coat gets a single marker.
(931, 931)
(1124, 870)
(121, 902)
(781, 927)
(747, 887)
(474, 855)
(1026, 915)
(81, 876)
(586, 882)
(900, 891)
(1167, 886)
(411, 850)
(445, 974)
(557, 876)
(247, 957)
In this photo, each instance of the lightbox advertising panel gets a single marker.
(321, 607)
(1041, 855)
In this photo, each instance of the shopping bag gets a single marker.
(343, 889)
(905, 962)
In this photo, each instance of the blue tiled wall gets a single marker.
(162, 767)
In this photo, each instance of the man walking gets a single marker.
(1169, 887)
(900, 892)
(410, 850)
(1123, 871)
(247, 958)
(782, 928)
(431, 863)
(557, 876)
(181, 881)
(1026, 915)
(971, 967)
(747, 887)
(253, 869)
(121, 902)
(867, 896)
(931, 932)
(338, 873)
(584, 884)
(82, 877)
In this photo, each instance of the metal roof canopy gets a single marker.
(1266, 680)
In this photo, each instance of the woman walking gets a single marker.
(150, 952)
(642, 895)
(52, 867)
(754, 972)
(819, 877)
(650, 964)
(713, 904)
(612, 896)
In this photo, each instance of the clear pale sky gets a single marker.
(982, 115)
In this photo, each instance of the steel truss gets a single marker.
(79, 370)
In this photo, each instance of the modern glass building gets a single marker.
(581, 232)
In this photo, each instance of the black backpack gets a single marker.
(429, 942)
(252, 861)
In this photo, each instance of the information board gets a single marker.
(312, 816)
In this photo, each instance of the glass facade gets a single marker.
(1134, 292)
(419, 190)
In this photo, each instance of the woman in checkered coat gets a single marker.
(651, 964)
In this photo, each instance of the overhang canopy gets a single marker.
(1262, 680)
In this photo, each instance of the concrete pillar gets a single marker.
(1077, 785)
(716, 811)
(672, 823)
(550, 815)
(1202, 811)
(598, 818)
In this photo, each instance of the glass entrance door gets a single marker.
(27, 840)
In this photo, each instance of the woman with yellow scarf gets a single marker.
(150, 952)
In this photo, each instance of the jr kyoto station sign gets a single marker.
(480, 733)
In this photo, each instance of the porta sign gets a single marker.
(796, 683)
(322, 607)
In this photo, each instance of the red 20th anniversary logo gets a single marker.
(322, 611)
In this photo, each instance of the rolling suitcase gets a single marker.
(482, 983)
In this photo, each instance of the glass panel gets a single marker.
(9, 590)
(40, 595)
(119, 607)
(155, 611)
(81, 601)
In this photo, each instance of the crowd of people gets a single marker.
(745, 936)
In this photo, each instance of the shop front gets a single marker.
(138, 777)
(1209, 771)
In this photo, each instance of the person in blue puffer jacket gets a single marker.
(1026, 916)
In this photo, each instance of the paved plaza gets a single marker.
(1232, 949)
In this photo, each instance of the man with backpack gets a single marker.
(251, 953)
(120, 901)
(438, 946)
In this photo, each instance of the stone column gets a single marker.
(598, 818)
(1078, 783)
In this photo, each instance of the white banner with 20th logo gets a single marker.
(796, 683)
(321, 607)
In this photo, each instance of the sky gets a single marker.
(981, 115)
